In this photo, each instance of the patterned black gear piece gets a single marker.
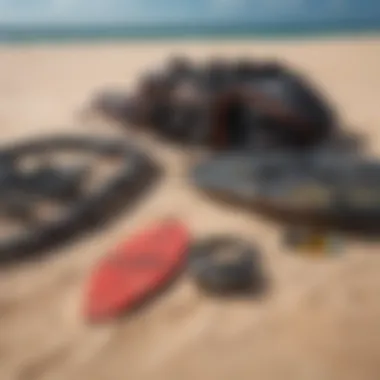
(238, 272)
(137, 174)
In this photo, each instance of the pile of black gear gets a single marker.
(226, 104)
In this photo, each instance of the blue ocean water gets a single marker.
(153, 32)
(29, 21)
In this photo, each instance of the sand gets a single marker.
(320, 319)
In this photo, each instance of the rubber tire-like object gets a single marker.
(137, 173)
(234, 275)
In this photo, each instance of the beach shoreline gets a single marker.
(103, 32)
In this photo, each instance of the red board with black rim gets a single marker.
(136, 269)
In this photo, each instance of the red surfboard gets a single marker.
(136, 269)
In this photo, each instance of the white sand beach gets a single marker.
(320, 320)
